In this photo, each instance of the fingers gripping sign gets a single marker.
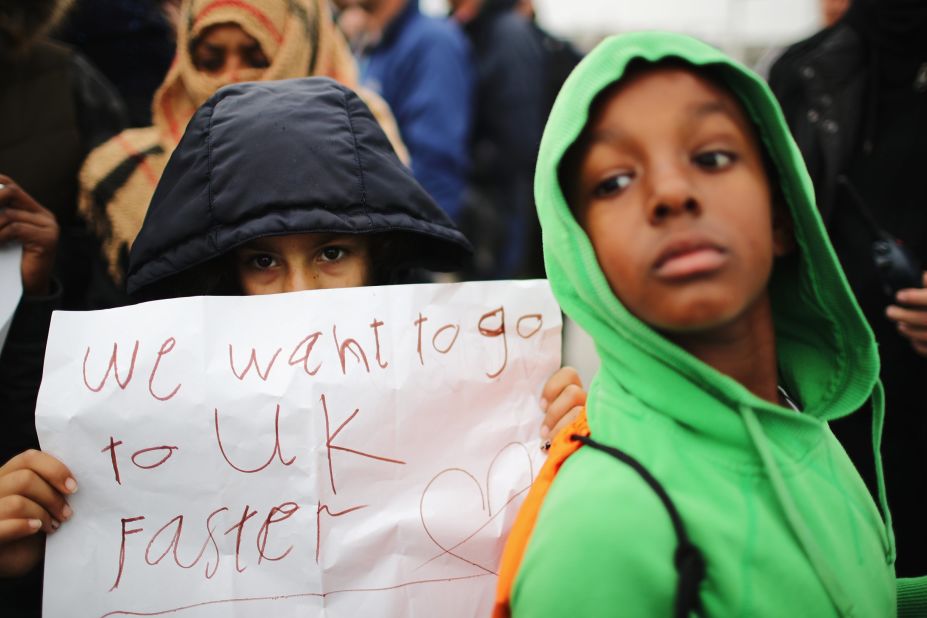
(24, 220)
(562, 399)
(33, 486)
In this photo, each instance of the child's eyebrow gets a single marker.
(698, 111)
(710, 108)
(319, 239)
(606, 135)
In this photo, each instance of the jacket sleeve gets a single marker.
(21, 362)
(912, 596)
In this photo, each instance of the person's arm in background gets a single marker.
(27, 222)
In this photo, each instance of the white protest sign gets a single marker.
(11, 286)
(357, 452)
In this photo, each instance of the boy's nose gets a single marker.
(300, 280)
(671, 194)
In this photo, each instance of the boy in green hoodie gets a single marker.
(680, 232)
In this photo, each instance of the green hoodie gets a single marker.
(780, 514)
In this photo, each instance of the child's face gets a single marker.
(303, 262)
(226, 49)
(673, 195)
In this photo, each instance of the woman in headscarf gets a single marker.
(219, 42)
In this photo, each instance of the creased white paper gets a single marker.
(11, 286)
(357, 452)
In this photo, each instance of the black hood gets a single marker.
(272, 158)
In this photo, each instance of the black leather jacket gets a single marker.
(821, 86)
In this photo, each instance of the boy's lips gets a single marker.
(689, 257)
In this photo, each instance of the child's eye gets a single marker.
(613, 185)
(714, 159)
(332, 254)
(210, 62)
(255, 58)
(262, 261)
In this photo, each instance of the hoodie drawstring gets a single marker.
(878, 421)
(820, 564)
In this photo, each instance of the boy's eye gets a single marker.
(714, 159)
(332, 254)
(613, 185)
(263, 261)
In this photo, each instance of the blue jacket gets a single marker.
(422, 67)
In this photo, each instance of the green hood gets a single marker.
(827, 354)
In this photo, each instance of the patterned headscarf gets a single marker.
(298, 36)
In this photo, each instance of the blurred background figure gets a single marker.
(354, 22)
(561, 56)
(831, 12)
(130, 41)
(498, 206)
(54, 109)
(520, 68)
(855, 97)
(218, 43)
(422, 67)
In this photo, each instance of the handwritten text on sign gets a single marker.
(360, 450)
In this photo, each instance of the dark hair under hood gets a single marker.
(273, 158)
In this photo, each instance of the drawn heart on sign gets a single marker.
(443, 525)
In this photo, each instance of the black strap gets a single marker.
(688, 559)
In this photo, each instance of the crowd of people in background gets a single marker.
(97, 95)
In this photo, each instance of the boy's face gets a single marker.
(673, 195)
(300, 262)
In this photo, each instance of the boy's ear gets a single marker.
(783, 229)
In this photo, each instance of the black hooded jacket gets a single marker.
(855, 97)
(273, 158)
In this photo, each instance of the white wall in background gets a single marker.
(729, 23)
(433, 7)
